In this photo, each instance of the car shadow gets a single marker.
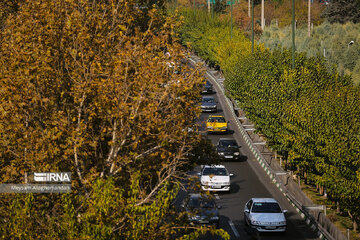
(230, 131)
(243, 158)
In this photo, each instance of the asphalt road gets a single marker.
(249, 181)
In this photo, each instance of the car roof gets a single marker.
(227, 139)
(216, 116)
(208, 97)
(198, 195)
(194, 195)
(270, 200)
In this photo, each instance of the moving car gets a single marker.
(208, 104)
(265, 215)
(216, 123)
(228, 149)
(208, 88)
(201, 209)
(215, 178)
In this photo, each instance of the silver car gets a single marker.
(208, 104)
(265, 215)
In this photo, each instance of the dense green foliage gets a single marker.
(331, 40)
(342, 11)
(310, 113)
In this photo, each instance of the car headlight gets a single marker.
(255, 222)
(223, 128)
(236, 153)
(282, 223)
(210, 127)
(221, 153)
(214, 218)
(226, 183)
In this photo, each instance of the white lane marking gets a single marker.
(217, 196)
(234, 229)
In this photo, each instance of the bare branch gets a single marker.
(76, 139)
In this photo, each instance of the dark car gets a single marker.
(201, 209)
(228, 149)
(208, 87)
(208, 104)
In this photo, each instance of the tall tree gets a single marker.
(92, 87)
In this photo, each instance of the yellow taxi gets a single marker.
(216, 123)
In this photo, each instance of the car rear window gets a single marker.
(266, 207)
(201, 203)
(208, 100)
(217, 119)
(227, 143)
(215, 171)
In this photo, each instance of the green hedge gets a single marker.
(310, 113)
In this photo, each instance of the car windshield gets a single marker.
(217, 119)
(228, 143)
(200, 203)
(208, 100)
(266, 207)
(215, 171)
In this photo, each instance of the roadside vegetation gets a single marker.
(334, 27)
(338, 43)
(92, 88)
(309, 114)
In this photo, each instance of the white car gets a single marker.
(265, 215)
(215, 178)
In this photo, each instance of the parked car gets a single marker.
(215, 178)
(265, 215)
(208, 104)
(201, 209)
(216, 123)
(208, 88)
(228, 149)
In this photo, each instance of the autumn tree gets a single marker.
(92, 87)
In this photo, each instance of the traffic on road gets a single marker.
(249, 206)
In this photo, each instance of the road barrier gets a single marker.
(315, 218)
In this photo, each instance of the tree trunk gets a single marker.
(355, 225)
(262, 15)
(309, 18)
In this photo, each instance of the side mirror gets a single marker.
(231, 174)
(285, 211)
(182, 205)
(199, 173)
(247, 210)
(219, 206)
